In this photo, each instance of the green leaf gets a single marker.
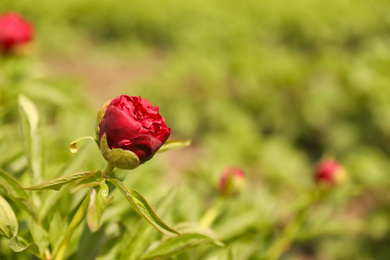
(57, 183)
(8, 223)
(142, 207)
(40, 237)
(57, 229)
(73, 147)
(137, 245)
(29, 118)
(29, 109)
(12, 188)
(170, 145)
(177, 245)
(76, 220)
(97, 205)
(93, 179)
(20, 244)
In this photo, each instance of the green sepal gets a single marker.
(100, 116)
(118, 158)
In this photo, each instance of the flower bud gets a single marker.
(130, 131)
(14, 31)
(330, 172)
(232, 181)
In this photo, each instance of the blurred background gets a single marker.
(269, 86)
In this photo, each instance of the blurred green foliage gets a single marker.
(270, 86)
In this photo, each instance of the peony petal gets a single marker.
(132, 123)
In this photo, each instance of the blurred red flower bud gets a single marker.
(14, 31)
(330, 172)
(128, 126)
(232, 181)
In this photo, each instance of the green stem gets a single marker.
(213, 212)
(283, 242)
(77, 218)
(107, 170)
(289, 233)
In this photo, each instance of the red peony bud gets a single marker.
(14, 31)
(330, 172)
(232, 180)
(128, 126)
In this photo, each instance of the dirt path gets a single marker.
(104, 74)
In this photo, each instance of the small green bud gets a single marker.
(232, 181)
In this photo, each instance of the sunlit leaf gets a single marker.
(135, 248)
(76, 220)
(40, 237)
(57, 229)
(97, 205)
(170, 145)
(57, 183)
(20, 197)
(29, 118)
(30, 110)
(8, 223)
(143, 208)
(93, 179)
(177, 245)
(19, 245)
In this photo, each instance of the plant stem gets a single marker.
(282, 243)
(48, 255)
(213, 212)
(107, 170)
(286, 238)
(77, 218)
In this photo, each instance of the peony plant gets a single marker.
(130, 131)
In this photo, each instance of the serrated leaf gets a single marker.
(8, 223)
(12, 188)
(29, 118)
(57, 183)
(177, 245)
(97, 204)
(142, 207)
(19, 245)
(170, 145)
(73, 147)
